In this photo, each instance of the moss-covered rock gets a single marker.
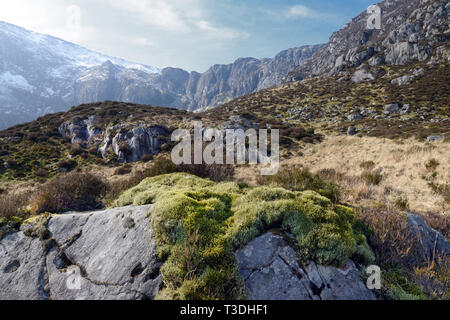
(198, 224)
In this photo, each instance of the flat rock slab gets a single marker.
(270, 270)
(99, 255)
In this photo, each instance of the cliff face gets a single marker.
(409, 31)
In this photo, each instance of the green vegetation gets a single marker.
(300, 179)
(198, 224)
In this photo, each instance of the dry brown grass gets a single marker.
(406, 183)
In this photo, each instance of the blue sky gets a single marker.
(192, 34)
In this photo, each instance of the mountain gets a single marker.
(41, 74)
(409, 31)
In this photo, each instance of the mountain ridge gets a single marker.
(61, 74)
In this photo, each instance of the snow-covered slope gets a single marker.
(38, 73)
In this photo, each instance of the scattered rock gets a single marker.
(435, 138)
(406, 109)
(270, 270)
(362, 75)
(351, 131)
(391, 108)
(355, 116)
(401, 81)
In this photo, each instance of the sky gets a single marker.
(190, 34)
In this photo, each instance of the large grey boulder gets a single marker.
(270, 270)
(431, 243)
(355, 116)
(98, 255)
(391, 108)
(130, 144)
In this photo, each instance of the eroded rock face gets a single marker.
(131, 144)
(79, 130)
(98, 255)
(409, 30)
(270, 270)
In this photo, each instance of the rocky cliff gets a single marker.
(410, 29)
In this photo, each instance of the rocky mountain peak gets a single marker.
(410, 29)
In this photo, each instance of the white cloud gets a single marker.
(303, 12)
(155, 32)
(224, 33)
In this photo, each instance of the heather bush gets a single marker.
(73, 191)
(300, 179)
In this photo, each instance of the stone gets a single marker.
(401, 81)
(432, 243)
(270, 271)
(391, 108)
(362, 75)
(351, 131)
(406, 109)
(355, 116)
(435, 138)
(107, 255)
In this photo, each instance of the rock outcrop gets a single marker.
(99, 255)
(79, 130)
(271, 271)
(409, 30)
(130, 144)
(432, 244)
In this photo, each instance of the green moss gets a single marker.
(9, 225)
(198, 225)
(36, 227)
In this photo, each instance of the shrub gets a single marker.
(73, 191)
(126, 169)
(432, 164)
(299, 179)
(67, 164)
(147, 158)
(14, 204)
(401, 203)
(372, 177)
(389, 237)
(9, 225)
(441, 189)
(435, 278)
(41, 173)
(214, 172)
(76, 149)
(367, 165)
